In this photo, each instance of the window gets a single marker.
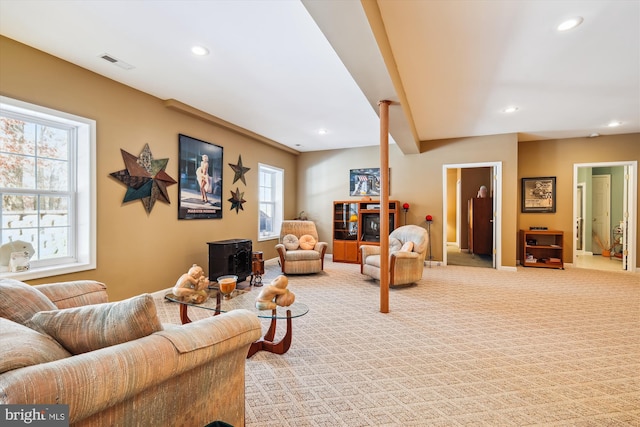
(47, 189)
(270, 203)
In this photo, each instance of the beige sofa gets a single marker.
(117, 363)
(407, 252)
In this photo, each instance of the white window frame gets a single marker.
(278, 200)
(84, 216)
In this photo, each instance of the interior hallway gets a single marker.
(457, 257)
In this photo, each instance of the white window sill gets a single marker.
(42, 272)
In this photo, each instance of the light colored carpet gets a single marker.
(463, 347)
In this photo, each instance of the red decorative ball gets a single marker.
(429, 218)
(405, 206)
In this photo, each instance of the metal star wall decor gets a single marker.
(237, 199)
(239, 171)
(145, 178)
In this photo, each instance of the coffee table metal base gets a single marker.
(265, 343)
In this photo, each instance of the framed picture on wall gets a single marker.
(200, 183)
(539, 195)
(365, 182)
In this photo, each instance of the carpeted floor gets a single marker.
(463, 347)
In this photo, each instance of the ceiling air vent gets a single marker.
(116, 61)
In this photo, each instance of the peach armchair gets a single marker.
(407, 251)
(299, 249)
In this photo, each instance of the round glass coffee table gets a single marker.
(247, 300)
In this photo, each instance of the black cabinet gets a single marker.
(231, 256)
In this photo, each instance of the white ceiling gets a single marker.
(285, 69)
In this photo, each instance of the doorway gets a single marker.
(460, 185)
(605, 216)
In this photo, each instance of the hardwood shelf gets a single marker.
(541, 248)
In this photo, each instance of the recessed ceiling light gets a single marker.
(570, 24)
(200, 50)
(594, 135)
(614, 124)
(322, 131)
(510, 110)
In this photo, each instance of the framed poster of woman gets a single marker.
(200, 183)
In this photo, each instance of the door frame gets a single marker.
(631, 167)
(496, 173)
(582, 201)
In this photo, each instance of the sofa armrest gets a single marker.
(75, 293)
(199, 361)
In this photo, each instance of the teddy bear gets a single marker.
(275, 294)
(192, 286)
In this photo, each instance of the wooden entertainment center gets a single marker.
(357, 223)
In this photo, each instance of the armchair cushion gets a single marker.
(91, 327)
(307, 242)
(19, 301)
(394, 245)
(31, 348)
(406, 247)
(290, 242)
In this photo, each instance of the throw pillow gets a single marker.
(407, 247)
(91, 327)
(394, 245)
(307, 242)
(19, 301)
(290, 242)
(22, 347)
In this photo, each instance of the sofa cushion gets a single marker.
(19, 301)
(91, 327)
(290, 242)
(307, 242)
(75, 293)
(22, 347)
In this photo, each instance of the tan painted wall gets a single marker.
(416, 179)
(556, 158)
(139, 252)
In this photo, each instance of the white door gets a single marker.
(601, 215)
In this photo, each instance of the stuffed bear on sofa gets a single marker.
(115, 363)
